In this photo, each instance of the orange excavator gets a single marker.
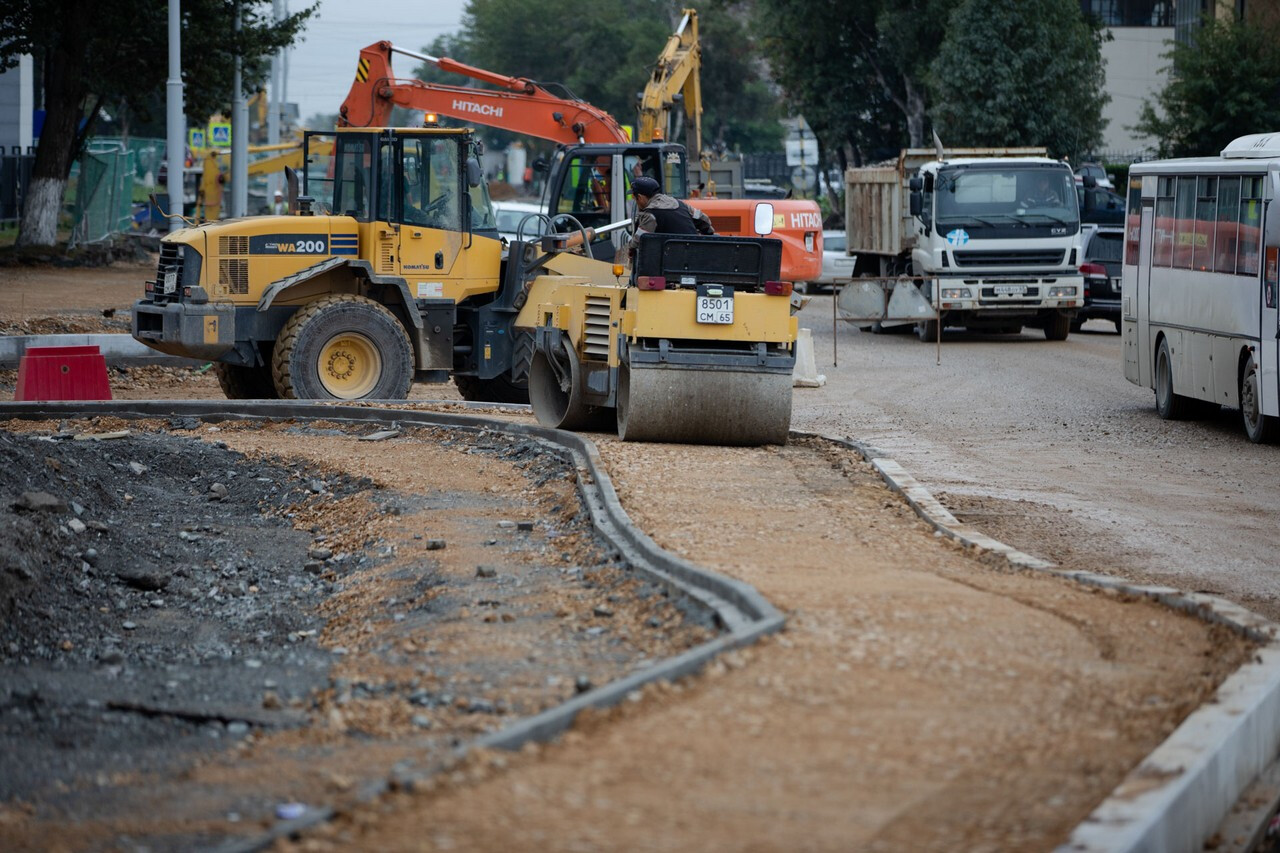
(592, 169)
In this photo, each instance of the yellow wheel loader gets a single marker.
(389, 269)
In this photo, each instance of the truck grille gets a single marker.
(1010, 258)
(597, 327)
(233, 275)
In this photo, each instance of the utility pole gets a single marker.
(275, 103)
(175, 122)
(239, 138)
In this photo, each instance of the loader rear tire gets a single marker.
(342, 347)
(245, 383)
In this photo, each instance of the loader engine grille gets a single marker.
(233, 245)
(170, 262)
(597, 327)
(1010, 258)
(233, 275)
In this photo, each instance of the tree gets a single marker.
(601, 51)
(1223, 84)
(91, 57)
(1020, 73)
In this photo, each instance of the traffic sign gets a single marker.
(803, 177)
(802, 151)
(220, 134)
(195, 139)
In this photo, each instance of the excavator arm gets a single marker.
(675, 78)
(519, 105)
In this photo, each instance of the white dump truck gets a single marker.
(991, 235)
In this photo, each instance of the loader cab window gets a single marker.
(430, 183)
(353, 177)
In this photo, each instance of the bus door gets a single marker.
(1269, 315)
(1137, 344)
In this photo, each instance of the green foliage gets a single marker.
(602, 51)
(1020, 73)
(1223, 85)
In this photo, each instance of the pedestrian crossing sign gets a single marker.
(220, 134)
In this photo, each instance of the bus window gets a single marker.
(1250, 225)
(1132, 222)
(1206, 215)
(1228, 219)
(1184, 223)
(1164, 224)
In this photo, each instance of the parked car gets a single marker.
(1099, 175)
(1103, 252)
(1099, 206)
(837, 265)
(510, 214)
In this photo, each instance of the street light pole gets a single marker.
(175, 122)
(239, 136)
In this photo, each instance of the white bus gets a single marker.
(1199, 282)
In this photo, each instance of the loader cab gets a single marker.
(592, 183)
(413, 207)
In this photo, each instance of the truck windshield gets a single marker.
(1005, 196)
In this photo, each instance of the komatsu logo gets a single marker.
(481, 109)
(806, 220)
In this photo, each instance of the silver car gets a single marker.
(837, 264)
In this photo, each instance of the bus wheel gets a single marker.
(342, 347)
(1169, 406)
(1260, 428)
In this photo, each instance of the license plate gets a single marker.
(1010, 289)
(714, 309)
(170, 281)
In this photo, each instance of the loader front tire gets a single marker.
(342, 347)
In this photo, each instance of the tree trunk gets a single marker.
(65, 92)
(914, 110)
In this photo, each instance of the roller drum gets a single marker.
(703, 405)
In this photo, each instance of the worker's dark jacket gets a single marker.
(667, 215)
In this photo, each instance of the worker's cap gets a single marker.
(279, 193)
(644, 186)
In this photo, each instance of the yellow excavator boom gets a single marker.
(675, 77)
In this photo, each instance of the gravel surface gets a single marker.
(920, 698)
(184, 607)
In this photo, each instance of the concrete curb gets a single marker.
(1178, 796)
(739, 608)
(120, 350)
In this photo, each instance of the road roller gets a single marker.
(696, 345)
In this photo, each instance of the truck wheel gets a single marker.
(1057, 327)
(1169, 406)
(245, 383)
(342, 347)
(1261, 429)
(927, 331)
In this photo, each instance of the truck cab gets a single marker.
(1001, 240)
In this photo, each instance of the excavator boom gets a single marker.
(525, 106)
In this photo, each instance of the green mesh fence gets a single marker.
(103, 191)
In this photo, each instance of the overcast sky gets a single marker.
(323, 64)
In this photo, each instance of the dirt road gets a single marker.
(919, 698)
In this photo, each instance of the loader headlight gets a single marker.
(1063, 292)
(957, 293)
